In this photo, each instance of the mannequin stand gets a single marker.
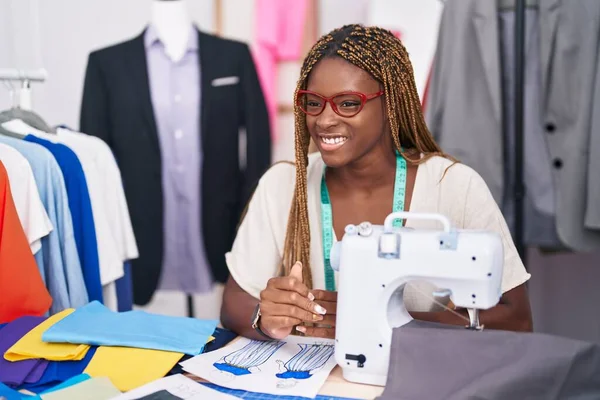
(190, 305)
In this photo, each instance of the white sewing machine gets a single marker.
(375, 262)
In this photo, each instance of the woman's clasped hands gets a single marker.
(287, 303)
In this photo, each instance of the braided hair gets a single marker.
(378, 52)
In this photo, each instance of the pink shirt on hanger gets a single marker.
(279, 31)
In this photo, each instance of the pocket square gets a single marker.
(226, 80)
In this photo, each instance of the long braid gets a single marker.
(381, 54)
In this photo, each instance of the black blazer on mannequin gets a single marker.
(117, 108)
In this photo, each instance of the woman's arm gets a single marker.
(512, 313)
(237, 310)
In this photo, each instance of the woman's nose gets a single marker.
(328, 118)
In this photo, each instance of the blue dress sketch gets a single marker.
(310, 358)
(251, 355)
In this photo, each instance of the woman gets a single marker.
(356, 99)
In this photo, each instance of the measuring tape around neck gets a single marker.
(327, 215)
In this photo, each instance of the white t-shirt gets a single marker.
(462, 196)
(109, 195)
(32, 214)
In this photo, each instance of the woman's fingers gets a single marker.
(277, 296)
(277, 327)
(289, 283)
(289, 310)
(321, 332)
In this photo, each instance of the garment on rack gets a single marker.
(118, 238)
(539, 212)
(15, 373)
(118, 212)
(114, 234)
(129, 368)
(81, 213)
(32, 214)
(464, 109)
(124, 287)
(22, 288)
(97, 325)
(279, 32)
(58, 372)
(176, 99)
(117, 107)
(31, 345)
(57, 259)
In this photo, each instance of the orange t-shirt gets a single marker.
(22, 290)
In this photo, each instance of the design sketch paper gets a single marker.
(178, 385)
(296, 366)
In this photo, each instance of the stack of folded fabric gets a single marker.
(127, 350)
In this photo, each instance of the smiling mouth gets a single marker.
(334, 140)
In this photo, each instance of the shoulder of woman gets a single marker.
(284, 172)
(451, 174)
(281, 176)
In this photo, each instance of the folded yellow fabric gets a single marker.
(210, 339)
(129, 367)
(31, 345)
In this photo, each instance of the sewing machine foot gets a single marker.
(474, 320)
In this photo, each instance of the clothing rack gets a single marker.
(25, 77)
(519, 190)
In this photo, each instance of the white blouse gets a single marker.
(461, 195)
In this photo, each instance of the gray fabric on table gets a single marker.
(440, 362)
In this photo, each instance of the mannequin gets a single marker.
(171, 102)
(171, 20)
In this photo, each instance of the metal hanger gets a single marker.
(29, 117)
(4, 131)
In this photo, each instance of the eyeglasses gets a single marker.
(345, 104)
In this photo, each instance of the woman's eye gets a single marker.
(313, 104)
(349, 104)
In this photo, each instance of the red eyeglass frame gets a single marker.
(363, 100)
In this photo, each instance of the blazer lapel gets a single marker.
(486, 31)
(548, 23)
(139, 77)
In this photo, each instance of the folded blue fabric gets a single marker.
(7, 393)
(58, 372)
(95, 324)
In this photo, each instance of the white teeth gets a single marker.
(336, 140)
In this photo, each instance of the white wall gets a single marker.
(59, 34)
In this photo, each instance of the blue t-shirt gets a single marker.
(57, 259)
(81, 213)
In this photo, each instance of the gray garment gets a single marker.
(463, 107)
(160, 395)
(176, 98)
(539, 207)
(437, 362)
